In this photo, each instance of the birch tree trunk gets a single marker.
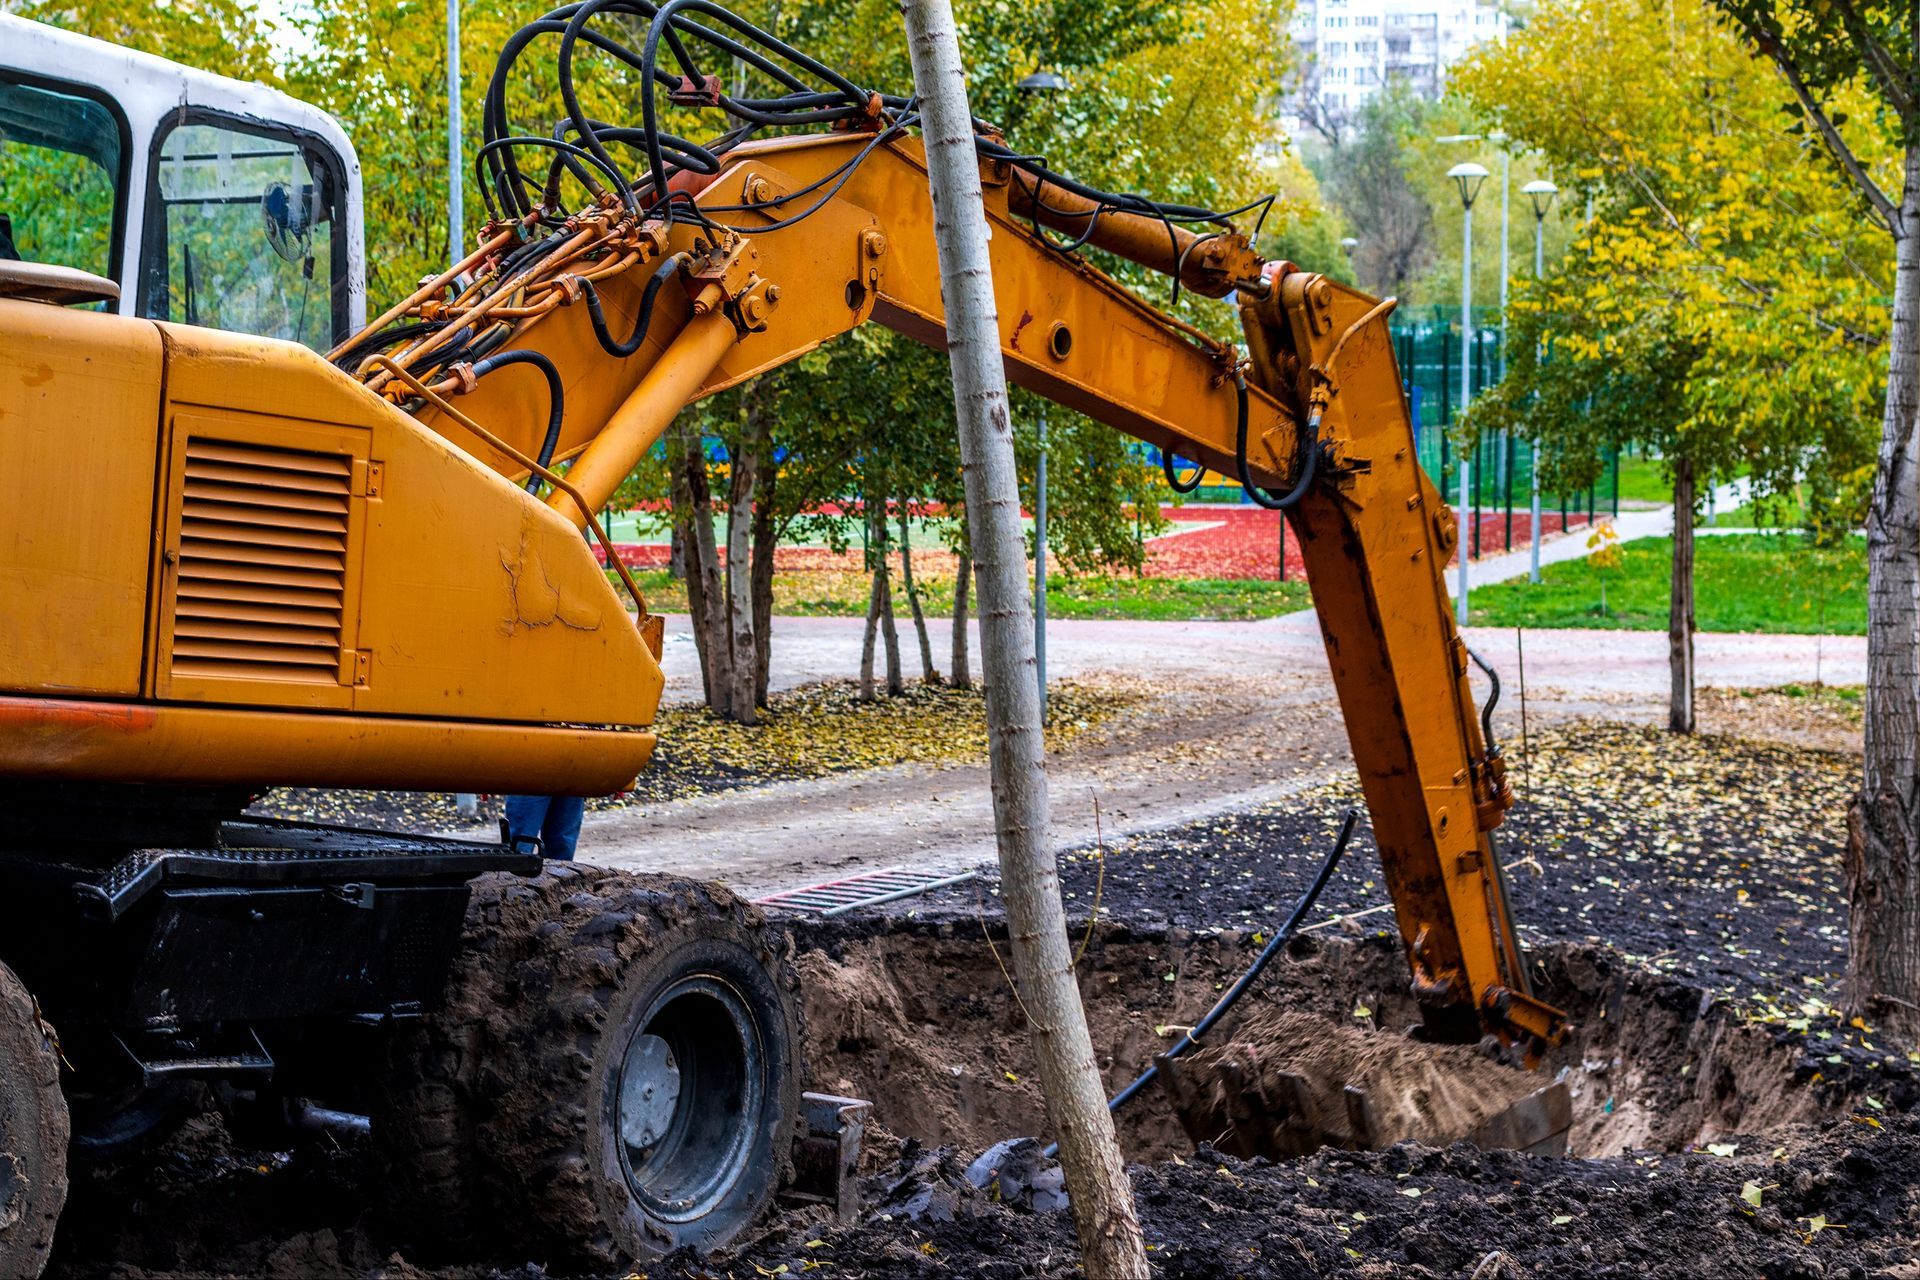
(685, 466)
(962, 578)
(703, 576)
(1680, 602)
(929, 673)
(872, 629)
(766, 539)
(1110, 1242)
(1883, 828)
(743, 660)
(889, 629)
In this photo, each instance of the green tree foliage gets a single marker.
(1726, 303)
(227, 37)
(1852, 70)
(1365, 176)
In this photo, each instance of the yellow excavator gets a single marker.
(250, 542)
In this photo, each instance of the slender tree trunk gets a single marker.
(677, 552)
(703, 582)
(741, 702)
(1680, 601)
(962, 578)
(867, 639)
(1111, 1246)
(889, 631)
(766, 540)
(1883, 829)
(928, 672)
(679, 476)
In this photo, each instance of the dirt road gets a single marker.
(1247, 715)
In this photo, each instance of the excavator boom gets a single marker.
(1317, 407)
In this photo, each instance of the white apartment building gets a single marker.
(1350, 49)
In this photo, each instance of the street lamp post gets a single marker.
(456, 218)
(466, 804)
(1542, 193)
(1033, 86)
(1503, 463)
(1468, 178)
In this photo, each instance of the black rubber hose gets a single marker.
(1309, 458)
(385, 338)
(641, 322)
(1191, 1037)
(1173, 482)
(1493, 700)
(556, 399)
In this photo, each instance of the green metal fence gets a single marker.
(1499, 487)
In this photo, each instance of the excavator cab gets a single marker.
(145, 188)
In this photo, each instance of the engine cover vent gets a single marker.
(262, 572)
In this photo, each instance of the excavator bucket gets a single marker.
(1288, 1084)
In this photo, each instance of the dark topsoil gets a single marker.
(1685, 898)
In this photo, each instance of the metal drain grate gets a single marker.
(868, 889)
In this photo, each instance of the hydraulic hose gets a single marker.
(1174, 482)
(642, 322)
(1309, 456)
(556, 399)
(1493, 699)
(1191, 1037)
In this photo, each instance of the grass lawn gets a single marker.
(1641, 480)
(843, 594)
(1756, 582)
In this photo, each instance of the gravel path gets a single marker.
(1248, 717)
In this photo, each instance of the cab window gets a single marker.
(62, 174)
(244, 231)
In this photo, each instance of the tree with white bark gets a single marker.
(1111, 1244)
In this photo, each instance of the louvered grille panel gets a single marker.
(263, 563)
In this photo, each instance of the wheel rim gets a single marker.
(689, 1098)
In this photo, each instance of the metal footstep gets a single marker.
(868, 889)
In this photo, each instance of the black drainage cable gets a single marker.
(1191, 1038)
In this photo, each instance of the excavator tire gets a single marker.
(33, 1133)
(615, 1075)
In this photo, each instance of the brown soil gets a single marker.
(1289, 1083)
(923, 1022)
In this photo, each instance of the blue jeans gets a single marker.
(553, 820)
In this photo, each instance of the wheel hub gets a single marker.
(649, 1092)
(691, 1092)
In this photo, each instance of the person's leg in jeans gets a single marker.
(526, 817)
(562, 828)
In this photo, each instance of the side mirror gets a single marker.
(288, 213)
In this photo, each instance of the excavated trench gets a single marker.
(922, 1020)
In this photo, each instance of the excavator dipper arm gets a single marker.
(1319, 391)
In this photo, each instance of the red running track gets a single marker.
(1236, 542)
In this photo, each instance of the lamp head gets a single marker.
(1542, 194)
(1042, 82)
(1468, 178)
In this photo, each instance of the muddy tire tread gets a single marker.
(33, 1115)
(485, 1161)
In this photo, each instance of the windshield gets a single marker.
(243, 235)
(60, 169)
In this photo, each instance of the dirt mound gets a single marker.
(1289, 1083)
